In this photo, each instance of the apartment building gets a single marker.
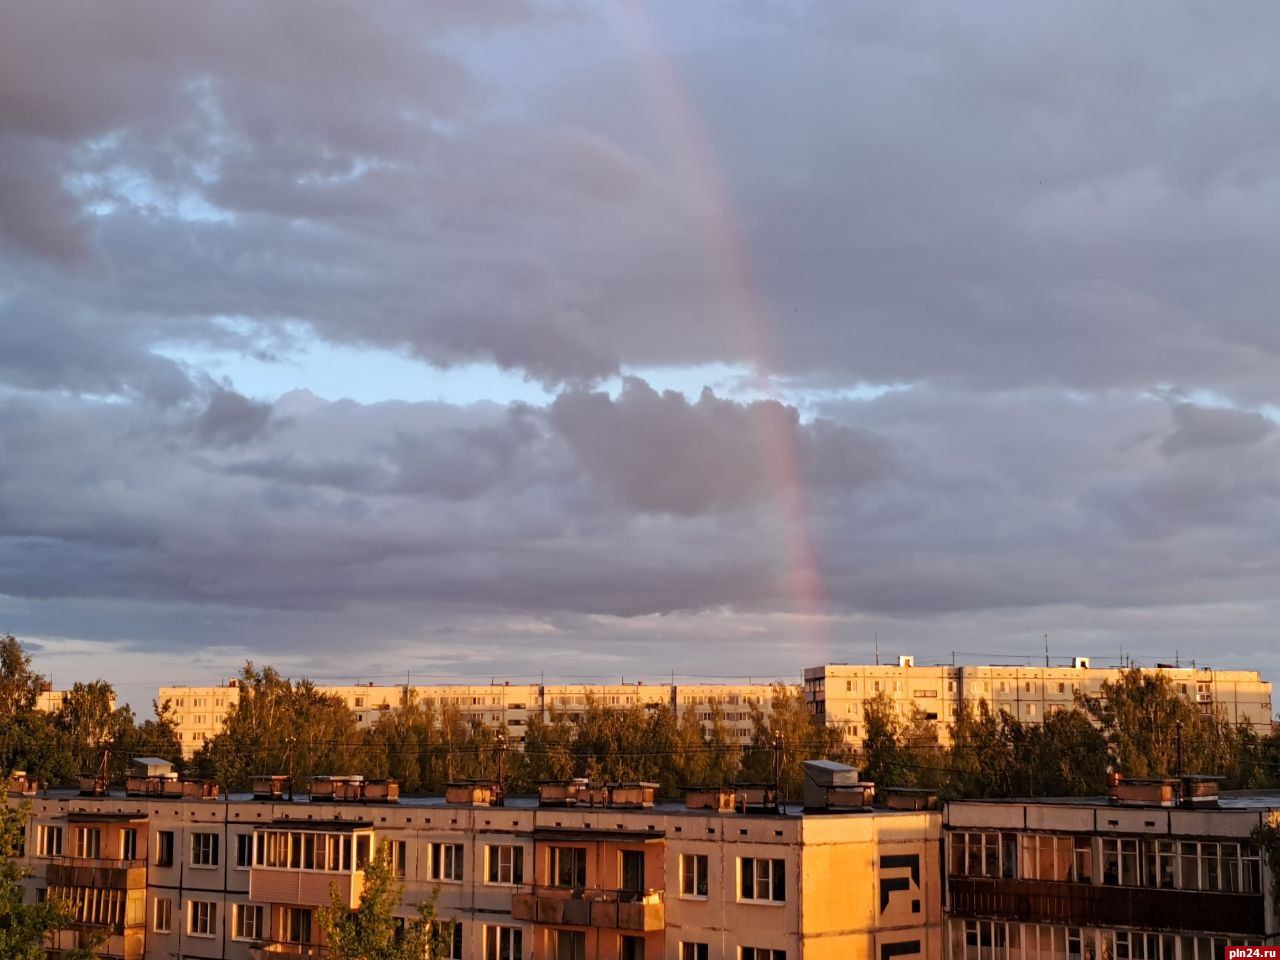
(1157, 870)
(198, 712)
(584, 871)
(839, 692)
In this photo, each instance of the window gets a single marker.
(503, 943)
(693, 875)
(164, 848)
(49, 841)
(1137, 945)
(1031, 709)
(446, 862)
(303, 850)
(1062, 688)
(762, 879)
(88, 842)
(1063, 858)
(761, 953)
(992, 855)
(506, 864)
(451, 932)
(694, 951)
(204, 918)
(295, 925)
(244, 850)
(569, 866)
(631, 948)
(204, 849)
(397, 850)
(571, 945)
(248, 923)
(162, 917)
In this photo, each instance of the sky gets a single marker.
(485, 338)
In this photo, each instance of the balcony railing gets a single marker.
(269, 949)
(96, 872)
(587, 907)
(1085, 904)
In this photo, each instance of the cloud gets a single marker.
(1206, 427)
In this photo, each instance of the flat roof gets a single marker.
(599, 833)
(325, 826)
(1227, 800)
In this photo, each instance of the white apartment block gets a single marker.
(838, 692)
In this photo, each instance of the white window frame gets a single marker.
(763, 871)
(239, 911)
(167, 912)
(204, 850)
(503, 942)
(691, 864)
(504, 864)
(202, 919)
(445, 862)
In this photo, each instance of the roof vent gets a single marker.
(908, 798)
(1080, 663)
(906, 661)
(1199, 791)
(716, 799)
(1143, 793)
(269, 786)
(353, 789)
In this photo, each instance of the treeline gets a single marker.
(56, 748)
(1138, 726)
(285, 727)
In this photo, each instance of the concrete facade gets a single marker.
(198, 712)
(241, 878)
(838, 692)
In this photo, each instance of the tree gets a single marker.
(278, 726)
(373, 932)
(1143, 718)
(20, 687)
(24, 927)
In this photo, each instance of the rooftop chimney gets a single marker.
(906, 661)
(1080, 663)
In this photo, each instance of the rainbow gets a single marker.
(686, 136)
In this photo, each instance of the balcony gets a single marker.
(97, 872)
(118, 945)
(270, 949)
(304, 888)
(608, 909)
(1094, 905)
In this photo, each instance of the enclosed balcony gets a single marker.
(299, 862)
(642, 911)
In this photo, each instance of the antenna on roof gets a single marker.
(877, 648)
(1046, 649)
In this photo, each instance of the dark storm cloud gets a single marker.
(1041, 223)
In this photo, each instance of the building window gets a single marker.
(503, 943)
(762, 879)
(1031, 709)
(1138, 945)
(296, 925)
(1062, 688)
(694, 951)
(992, 855)
(204, 919)
(1063, 858)
(204, 849)
(397, 852)
(49, 841)
(569, 867)
(300, 850)
(162, 916)
(446, 862)
(247, 923)
(985, 939)
(631, 948)
(164, 848)
(450, 932)
(88, 842)
(693, 875)
(244, 851)
(506, 864)
(761, 953)
(129, 844)
(570, 945)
